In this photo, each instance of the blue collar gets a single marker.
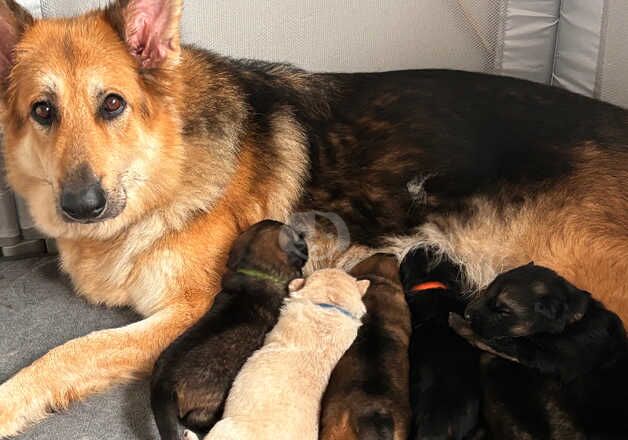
(337, 308)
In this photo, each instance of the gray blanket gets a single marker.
(39, 311)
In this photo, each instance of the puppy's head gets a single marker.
(267, 250)
(91, 120)
(382, 265)
(335, 287)
(526, 301)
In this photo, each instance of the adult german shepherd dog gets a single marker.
(145, 159)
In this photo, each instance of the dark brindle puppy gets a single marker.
(558, 359)
(193, 376)
(367, 396)
(444, 371)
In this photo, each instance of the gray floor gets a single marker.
(39, 311)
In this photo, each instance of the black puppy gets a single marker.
(444, 371)
(558, 362)
(193, 376)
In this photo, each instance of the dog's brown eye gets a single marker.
(113, 106)
(43, 112)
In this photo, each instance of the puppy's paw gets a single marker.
(189, 435)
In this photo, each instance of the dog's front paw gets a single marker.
(189, 435)
(20, 406)
(13, 418)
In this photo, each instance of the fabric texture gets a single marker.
(338, 35)
(613, 72)
(38, 312)
(578, 45)
(528, 38)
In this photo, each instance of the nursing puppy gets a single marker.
(444, 371)
(556, 359)
(277, 393)
(367, 396)
(193, 376)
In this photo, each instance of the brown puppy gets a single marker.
(146, 158)
(367, 396)
(193, 376)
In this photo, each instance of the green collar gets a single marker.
(262, 276)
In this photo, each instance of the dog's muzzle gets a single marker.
(84, 204)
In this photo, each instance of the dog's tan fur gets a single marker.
(589, 251)
(277, 393)
(190, 187)
(159, 256)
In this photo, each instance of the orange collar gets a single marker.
(429, 285)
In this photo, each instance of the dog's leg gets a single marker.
(87, 365)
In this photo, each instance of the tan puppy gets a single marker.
(277, 393)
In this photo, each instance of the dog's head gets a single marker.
(91, 114)
(268, 249)
(526, 301)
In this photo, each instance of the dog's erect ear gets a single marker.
(363, 286)
(296, 284)
(151, 29)
(14, 19)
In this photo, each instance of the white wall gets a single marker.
(341, 35)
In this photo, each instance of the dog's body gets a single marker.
(146, 159)
(367, 396)
(193, 376)
(277, 394)
(445, 389)
(555, 362)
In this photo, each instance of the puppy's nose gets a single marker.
(300, 244)
(84, 203)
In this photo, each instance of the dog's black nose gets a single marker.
(86, 203)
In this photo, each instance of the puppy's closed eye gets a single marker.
(504, 311)
(500, 307)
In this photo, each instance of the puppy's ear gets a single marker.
(577, 304)
(237, 255)
(14, 20)
(296, 284)
(363, 286)
(150, 28)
